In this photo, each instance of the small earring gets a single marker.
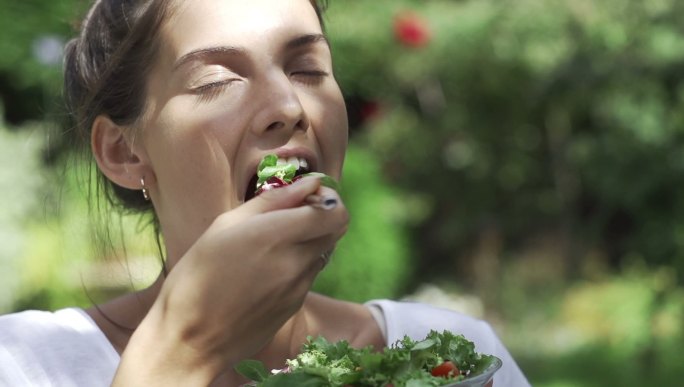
(145, 193)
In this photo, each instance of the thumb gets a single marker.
(290, 196)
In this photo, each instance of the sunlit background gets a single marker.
(521, 161)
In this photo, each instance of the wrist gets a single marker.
(161, 353)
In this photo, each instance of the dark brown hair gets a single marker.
(105, 69)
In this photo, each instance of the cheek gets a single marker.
(192, 154)
(335, 130)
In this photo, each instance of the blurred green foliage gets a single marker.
(20, 183)
(621, 330)
(529, 152)
(526, 117)
(31, 32)
(373, 259)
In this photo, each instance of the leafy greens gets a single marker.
(287, 173)
(406, 363)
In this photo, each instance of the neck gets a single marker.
(119, 318)
(288, 341)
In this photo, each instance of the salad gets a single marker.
(271, 175)
(438, 360)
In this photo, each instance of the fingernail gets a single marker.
(322, 202)
(329, 203)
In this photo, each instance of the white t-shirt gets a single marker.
(66, 348)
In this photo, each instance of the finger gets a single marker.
(325, 198)
(327, 191)
(321, 260)
(317, 247)
(289, 196)
(314, 257)
(303, 223)
(286, 197)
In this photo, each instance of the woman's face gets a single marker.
(236, 80)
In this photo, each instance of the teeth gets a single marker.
(293, 161)
(296, 161)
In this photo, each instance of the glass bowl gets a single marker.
(482, 379)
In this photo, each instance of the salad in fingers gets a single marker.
(272, 174)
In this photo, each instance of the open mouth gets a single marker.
(301, 164)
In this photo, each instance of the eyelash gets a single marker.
(313, 76)
(212, 85)
(211, 90)
(316, 73)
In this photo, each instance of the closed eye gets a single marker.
(313, 73)
(310, 77)
(211, 90)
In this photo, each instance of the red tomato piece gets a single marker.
(276, 181)
(272, 183)
(446, 370)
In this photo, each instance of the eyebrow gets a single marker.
(207, 52)
(298, 42)
(307, 40)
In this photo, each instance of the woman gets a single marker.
(180, 100)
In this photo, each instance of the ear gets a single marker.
(115, 155)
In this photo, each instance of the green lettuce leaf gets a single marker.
(268, 168)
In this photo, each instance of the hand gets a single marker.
(234, 288)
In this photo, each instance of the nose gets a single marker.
(281, 109)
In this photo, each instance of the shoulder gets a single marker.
(342, 320)
(71, 318)
(416, 320)
(62, 346)
(40, 328)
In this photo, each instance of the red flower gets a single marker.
(411, 30)
(370, 110)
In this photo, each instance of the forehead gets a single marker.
(244, 23)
